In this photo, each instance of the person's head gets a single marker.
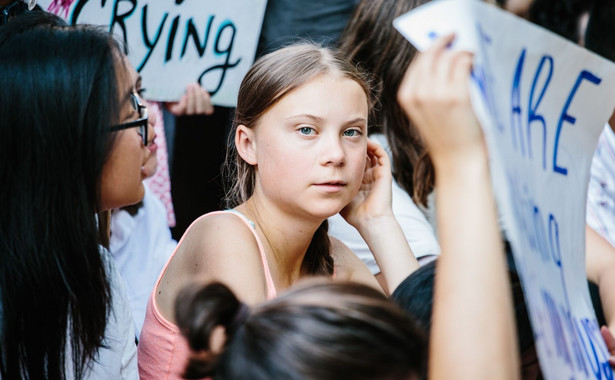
(318, 330)
(299, 138)
(63, 91)
(372, 43)
(415, 296)
(297, 75)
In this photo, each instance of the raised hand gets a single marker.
(479, 342)
(370, 212)
(374, 197)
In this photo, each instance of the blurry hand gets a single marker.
(196, 101)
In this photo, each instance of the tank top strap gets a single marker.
(271, 292)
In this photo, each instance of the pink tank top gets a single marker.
(163, 352)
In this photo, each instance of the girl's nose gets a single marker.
(333, 152)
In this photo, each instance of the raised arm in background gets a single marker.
(473, 333)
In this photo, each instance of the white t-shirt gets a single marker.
(140, 246)
(418, 231)
(118, 359)
(601, 189)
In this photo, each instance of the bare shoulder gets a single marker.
(349, 267)
(344, 259)
(219, 247)
(217, 239)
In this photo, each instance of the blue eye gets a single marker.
(352, 133)
(306, 130)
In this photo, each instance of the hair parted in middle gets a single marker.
(318, 330)
(272, 77)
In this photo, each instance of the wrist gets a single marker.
(375, 224)
(468, 164)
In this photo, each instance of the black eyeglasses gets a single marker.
(15, 8)
(141, 122)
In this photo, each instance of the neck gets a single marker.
(285, 238)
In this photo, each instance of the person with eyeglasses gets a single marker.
(141, 122)
(141, 240)
(74, 144)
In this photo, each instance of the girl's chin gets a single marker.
(147, 171)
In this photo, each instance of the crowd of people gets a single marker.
(331, 256)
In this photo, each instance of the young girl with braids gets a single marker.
(300, 155)
(316, 334)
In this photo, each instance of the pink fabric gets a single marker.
(160, 182)
(163, 352)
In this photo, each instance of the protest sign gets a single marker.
(175, 42)
(543, 102)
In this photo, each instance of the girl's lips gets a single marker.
(330, 187)
(152, 147)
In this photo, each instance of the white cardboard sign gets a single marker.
(175, 42)
(543, 102)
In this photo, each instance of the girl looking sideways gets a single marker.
(74, 140)
(300, 155)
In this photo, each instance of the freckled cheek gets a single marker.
(283, 160)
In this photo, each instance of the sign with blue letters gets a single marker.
(543, 102)
(172, 43)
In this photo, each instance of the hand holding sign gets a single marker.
(542, 102)
(195, 101)
(434, 94)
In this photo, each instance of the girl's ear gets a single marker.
(246, 147)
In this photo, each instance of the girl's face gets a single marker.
(123, 173)
(309, 150)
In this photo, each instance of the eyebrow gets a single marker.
(319, 119)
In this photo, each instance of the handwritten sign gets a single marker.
(543, 102)
(175, 42)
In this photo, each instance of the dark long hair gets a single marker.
(560, 16)
(415, 295)
(271, 78)
(319, 330)
(58, 99)
(600, 32)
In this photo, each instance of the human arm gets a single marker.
(349, 267)
(473, 330)
(600, 269)
(370, 212)
(195, 101)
